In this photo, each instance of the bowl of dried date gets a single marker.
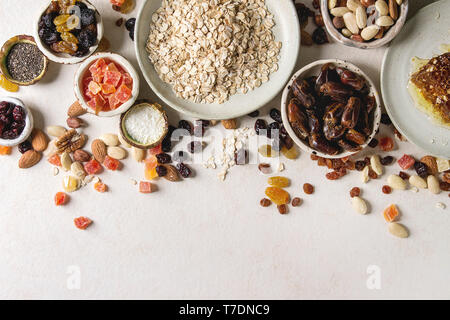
(106, 84)
(68, 31)
(364, 24)
(16, 122)
(331, 108)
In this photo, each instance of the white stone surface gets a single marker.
(203, 238)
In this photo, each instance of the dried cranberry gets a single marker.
(260, 124)
(163, 158)
(403, 175)
(241, 157)
(180, 156)
(373, 143)
(421, 169)
(360, 165)
(319, 36)
(184, 170)
(385, 119)
(386, 189)
(161, 171)
(25, 146)
(18, 113)
(254, 114)
(275, 114)
(385, 161)
(183, 124)
(273, 130)
(355, 192)
(195, 146)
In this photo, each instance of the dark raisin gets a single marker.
(296, 202)
(241, 157)
(385, 161)
(421, 169)
(360, 165)
(180, 156)
(87, 17)
(81, 5)
(130, 23)
(47, 19)
(355, 192)
(163, 158)
(166, 144)
(275, 114)
(184, 170)
(282, 208)
(131, 34)
(273, 130)
(25, 146)
(87, 38)
(319, 36)
(254, 114)
(303, 13)
(385, 119)
(183, 124)
(119, 22)
(81, 52)
(308, 188)
(373, 143)
(403, 175)
(316, 4)
(265, 202)
(195, 147)
(260, 124)
(161, 171)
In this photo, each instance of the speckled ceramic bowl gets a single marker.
(313, 69)
(388, 36)
(29, 124)
(121, 61)
(63, 57)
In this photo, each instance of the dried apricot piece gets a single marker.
(406, 162)
(280, 182)
(151, 173)
(277, 195)
(390, 213)
(55, 160)
(93, 167)
(145, 187)
(61, 198)
(100, 187)
(291, 153)
(8, 85)
(111, 163)
(4, 150)
(386, 144)
(82, 222)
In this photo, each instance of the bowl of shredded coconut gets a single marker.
(217, 59)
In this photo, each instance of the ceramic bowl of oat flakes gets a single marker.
(179, 64)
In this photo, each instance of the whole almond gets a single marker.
(117, 153)
(39, 140)
(76, 110)
(398, 230)
(172, 173)
(98, 149)
(29, 159)
(110, 139)
(81, 156)
(393, 9)
(74, 122)
(56, 131)
(229, 124)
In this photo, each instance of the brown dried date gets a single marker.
(303, 92)
(355, 136)
(298, 119)
(319, 143)
(336, 91)
(351, 113)
(350, 78)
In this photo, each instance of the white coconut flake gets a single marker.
(145, 124)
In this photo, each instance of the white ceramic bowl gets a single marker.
(63, 57)
(120, 61)
(388, 36)
(29, 124)
(313, 69)
(286, 30)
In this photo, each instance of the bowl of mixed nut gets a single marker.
(364, 24)
(331, 108)
(68, 31)
(217, 59)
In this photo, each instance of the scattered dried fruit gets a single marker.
(93, 167)
(61, 198)
(355, 192)
(431, 164)
(172, 173)
(265, 202)
(280, 182)
(282, 208)
(386, 144)
(277, 195)
(82, 222)
(296, 202)
(386, 189)
(4, 150)
(111, 163)
(308, 188)
(100, 187)
(390, 213)
(55, 160)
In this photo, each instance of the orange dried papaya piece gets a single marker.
(278, 195)
(280, 182)
(390, 213)
(5, 150)
(8, 85)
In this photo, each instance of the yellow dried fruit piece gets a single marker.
(278, 195)
(291, 153)
(280, 182)
(8, 85)
(73, 22)
(69, 37)
(61, 19)
(71, 184)
(267, 151)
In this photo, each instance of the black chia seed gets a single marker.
(25, 62)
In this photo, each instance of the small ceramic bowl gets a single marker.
(121, 61)
(372, 44)
(63, 57)
(4, 51)
(313, 69)
(29, 124)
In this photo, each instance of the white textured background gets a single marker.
(202, 238)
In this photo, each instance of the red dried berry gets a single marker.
(403, 175)
(355, 192)
(386, 189)
(265, 202)
(308, 188)
(296, 202)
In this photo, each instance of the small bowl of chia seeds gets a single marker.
(21, 61)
